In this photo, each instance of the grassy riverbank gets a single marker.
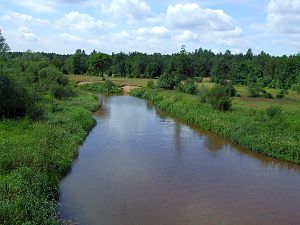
(251, 127)
(34, 155)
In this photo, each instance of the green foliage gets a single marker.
(273, 111)
(296, 87)
(3, 45)
(150, 84)
(107, 87)
(282, 93)
(98, 63)
(167, 81)
(219, 98)
(254, 90)
(12, 97)
(229, 89)
(35, 155)
(203, 94)
(188, 87)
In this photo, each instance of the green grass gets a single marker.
(35, 155)
(101, 88)
(121, 81)
(246, 124)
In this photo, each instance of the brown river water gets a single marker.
(139, 166)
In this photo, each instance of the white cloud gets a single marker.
(69, 37)
(133, 9)
(159, 31)
(26, 33)
(192, 16)
(37, 5)
(187, 36)
(284, 16)
(20, 18)
(80, 22)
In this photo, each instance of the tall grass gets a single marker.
(276, 136)
(35, 155)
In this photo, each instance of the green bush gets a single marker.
(230, 89)
(150, 84)
(282, 94)
(220, 98)
(273, 111)
(203, 94)
(190, 87)
(296, 87)
(254, 90)
(12, 97)
(168, 81)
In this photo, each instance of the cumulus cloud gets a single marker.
(193, 16)
(132, 9)
(80, 22)
(37, 5)
(159, 31)
(69, 37)
(187, 36)
(284, 16)
(20, 18)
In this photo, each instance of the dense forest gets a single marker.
(272, 71)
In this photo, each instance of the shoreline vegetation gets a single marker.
(254, 128)
(35, 155)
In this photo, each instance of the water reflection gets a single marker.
(140, 166)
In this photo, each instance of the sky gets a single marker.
(62, 26)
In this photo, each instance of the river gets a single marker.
(139, 166)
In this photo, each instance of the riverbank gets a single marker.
(35, 155)
(276, 137)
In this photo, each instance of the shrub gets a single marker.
(198, 79)
(16, 100)
(203, 94)
(296, 87)
(150, 84)
(190, 87)
(229, 88)
(254, 90)
(168, 81)
(219, 98)
(266, 94)
(282, 93)
(273, 111)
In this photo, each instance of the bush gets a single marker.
(296, 87)
(254, 90)
(203, 94)
(150, 84)
(273, 111)
(219, 98)
(168, 81)
(198, 79)
(282, 94)
(266, 94)
(12, 97)
(230, 90)
(190, 87)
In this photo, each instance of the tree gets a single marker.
(3, 45)
(98, 63)
(77, 62)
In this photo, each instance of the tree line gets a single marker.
(269, 71)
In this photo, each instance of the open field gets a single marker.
(141, 82)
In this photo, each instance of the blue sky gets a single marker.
(63, 26)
